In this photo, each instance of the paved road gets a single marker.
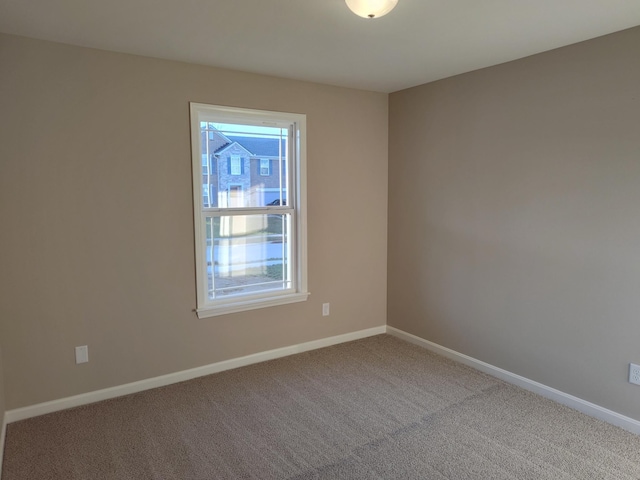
(239, 254)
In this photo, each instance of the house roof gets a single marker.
(228, 146)
(260, 146)
(216, 140)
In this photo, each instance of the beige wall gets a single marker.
(514, 216)
(97, 226)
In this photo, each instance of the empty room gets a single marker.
(361, 239)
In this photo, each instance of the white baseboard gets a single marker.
(576, 403)
(3, 434)
(583, 406)
(126, 389)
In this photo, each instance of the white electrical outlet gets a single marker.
(325, 309)
(82, 354)
(634, 374)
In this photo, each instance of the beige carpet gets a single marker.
(370, 409)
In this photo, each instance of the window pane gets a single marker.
(248, 254)
(245, 165)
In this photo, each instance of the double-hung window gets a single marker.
(250, 249)
(265, 167)
(235, 165)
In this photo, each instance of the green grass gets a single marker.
(275, 271)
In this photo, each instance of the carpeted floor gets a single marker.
(371, 409)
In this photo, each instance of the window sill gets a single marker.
(244, 305)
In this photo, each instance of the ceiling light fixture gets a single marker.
(371, 8)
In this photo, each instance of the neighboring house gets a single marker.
(242, 171)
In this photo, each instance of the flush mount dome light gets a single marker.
(371, 8)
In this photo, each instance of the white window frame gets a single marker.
(296, 206)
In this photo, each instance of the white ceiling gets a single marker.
(321, 40)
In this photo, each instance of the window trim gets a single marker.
(207, 113)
